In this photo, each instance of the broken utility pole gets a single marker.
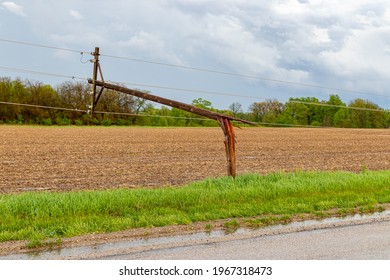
(223, 120)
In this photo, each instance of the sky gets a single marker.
(269, 48)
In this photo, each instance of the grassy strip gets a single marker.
(39, 216)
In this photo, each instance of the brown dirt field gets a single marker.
(73, 158)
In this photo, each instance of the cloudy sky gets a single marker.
(341, 46)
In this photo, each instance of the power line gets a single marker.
(239, 75)
(42, 46)
(339, 106)
(191, 90)
(194, 90)
(138, 115)
(196, 68)
(154, 116)
(99, 112)
(42, 107)
(179, 66)
(252, 97)
(41, 73)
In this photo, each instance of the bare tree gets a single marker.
(236, 109)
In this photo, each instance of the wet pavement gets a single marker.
(353, 237)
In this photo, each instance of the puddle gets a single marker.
(66, 253)
(139, 245)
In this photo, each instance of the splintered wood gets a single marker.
(230, 145)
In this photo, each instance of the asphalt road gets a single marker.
(354, 240)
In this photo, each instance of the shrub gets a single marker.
(105, 122)
(95, 121)
(63, 121)
(86, 119)
(315, 123)
(78, 122)
(121, 122)
(47, 121)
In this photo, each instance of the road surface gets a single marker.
(353, 238)
(370, 240)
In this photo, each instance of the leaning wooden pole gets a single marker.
(168, 102)
(223, 120)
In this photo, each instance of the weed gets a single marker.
(208, 227)
(364, 168)
(231, 226)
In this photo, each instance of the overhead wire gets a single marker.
(99, 112)
(151, 116)
(193, 90)
(42, 73)
(42, 107)
(196, 91)
(182, 89)
(239, 75)
(248, 96)
(157, 116)
(134, 115)
(196, 68)
(41, 46)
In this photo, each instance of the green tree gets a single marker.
(373, 117)
(313, 112)
(180, 117)
(268, 111)
(296, 112)
(43, 95)
(202, 103)
(329, 112)
(342, 118)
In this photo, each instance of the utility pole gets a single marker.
(94, 79)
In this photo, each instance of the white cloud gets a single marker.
(153, 45)
(14, 8)
(75, 14)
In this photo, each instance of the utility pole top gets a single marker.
(95, 96)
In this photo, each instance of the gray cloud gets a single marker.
(341, 44)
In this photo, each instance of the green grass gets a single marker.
(259, 199)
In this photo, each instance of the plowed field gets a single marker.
(71, 158)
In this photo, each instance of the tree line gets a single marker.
(135, 111)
